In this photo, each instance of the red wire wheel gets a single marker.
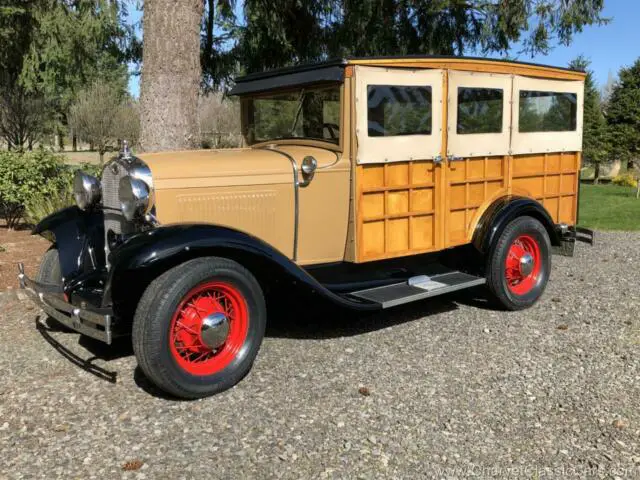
(209, 300)
(523, 265)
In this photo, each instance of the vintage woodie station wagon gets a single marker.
(365, 182)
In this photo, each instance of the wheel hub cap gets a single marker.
(215, 329)
(526, 264)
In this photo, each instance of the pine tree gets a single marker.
(52, 49)
(623, 115)
(283, 32)
(595, 141)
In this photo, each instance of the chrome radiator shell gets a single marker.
(114, 221)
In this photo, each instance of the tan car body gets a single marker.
(359, 210)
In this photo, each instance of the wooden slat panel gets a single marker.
(396, 209)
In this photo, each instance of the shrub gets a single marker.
(41, 206)
(35, 184)
(625, 180)
(24, 176)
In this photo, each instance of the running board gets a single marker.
(418, 288)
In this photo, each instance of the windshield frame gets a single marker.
(245, 101)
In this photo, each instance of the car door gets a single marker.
(478, 144)
(399, 119)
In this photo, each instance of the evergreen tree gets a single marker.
(52, 49)
(595, 141)
(282, 32)
(75, 44)
(623, 115)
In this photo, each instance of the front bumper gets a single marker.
(51, 298)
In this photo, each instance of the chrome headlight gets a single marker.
(86, 190)
(136, 198)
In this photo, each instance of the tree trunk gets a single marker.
(74, 140)
(596, 173)
(171, 74)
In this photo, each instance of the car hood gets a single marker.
(241, 166)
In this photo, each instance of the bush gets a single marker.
(34, 184)
(625, 180)
(24, 176)
(41, 206)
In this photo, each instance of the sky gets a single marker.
(608, 47)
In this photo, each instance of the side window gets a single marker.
(331, 118)
(394, 110)
(479, 110)
(547, 111)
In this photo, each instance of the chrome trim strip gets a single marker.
(296, 195)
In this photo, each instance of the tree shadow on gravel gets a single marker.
(97, 350)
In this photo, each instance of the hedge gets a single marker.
(34, 184)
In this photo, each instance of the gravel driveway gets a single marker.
(444, 388)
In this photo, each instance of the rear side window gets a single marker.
(479, 110)
(394, 110)
(547, 111)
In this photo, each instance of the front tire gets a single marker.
(198, 327)
(49, 273)
(519, 265)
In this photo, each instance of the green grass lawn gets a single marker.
(84, 157)
(609, 207)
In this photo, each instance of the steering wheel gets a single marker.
(333, 128)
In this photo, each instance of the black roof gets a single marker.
(332, 70)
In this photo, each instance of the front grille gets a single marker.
(114, 221)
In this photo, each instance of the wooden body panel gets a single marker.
(397, 207)
(399, 211)
(471, 186)
(552, 179)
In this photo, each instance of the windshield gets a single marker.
(312, 113)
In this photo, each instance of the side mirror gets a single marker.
(309, 166)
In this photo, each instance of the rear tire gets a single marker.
(198, 327)
(519, 264)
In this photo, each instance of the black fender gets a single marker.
(74, 230)
(504, 210)
(144, 256)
